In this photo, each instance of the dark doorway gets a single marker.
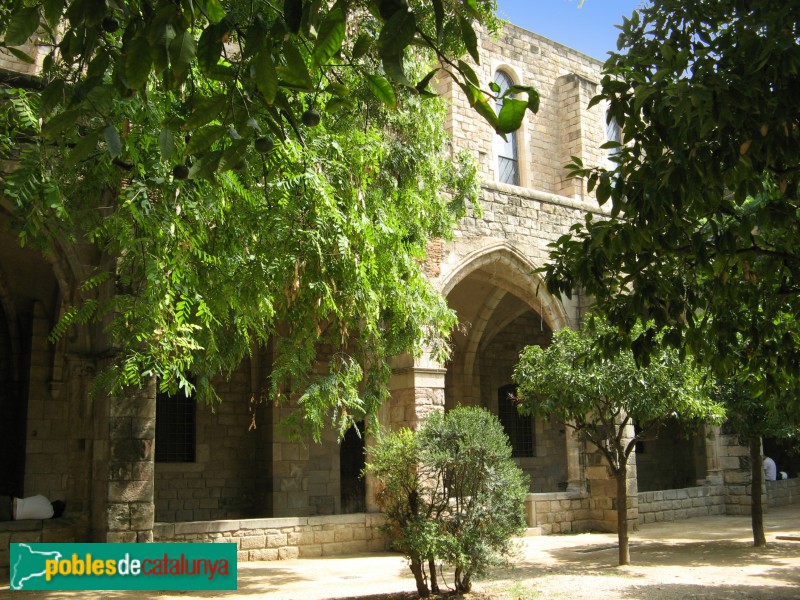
(351, 463)
(519, 429)
(13, 410)
(785, 453)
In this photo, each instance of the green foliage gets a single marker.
(704, 192)
(451, 491)
(602, 395)
(251, 62)
(312, 249)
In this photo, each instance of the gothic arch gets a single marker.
(502, 307)
(505, 266)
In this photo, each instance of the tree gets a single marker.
(239, 70)
(450, 491)
(702, 238)
(254, 175)
(602, 396)
(751, 419)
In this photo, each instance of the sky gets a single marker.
(589, 29)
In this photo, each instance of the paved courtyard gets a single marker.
(704, 557)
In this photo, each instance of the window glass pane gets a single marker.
(613, 134)
(507, 159)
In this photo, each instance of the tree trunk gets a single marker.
(756, 508)
(463, 580)
(432, 569)
(419, 576)
(622, 514)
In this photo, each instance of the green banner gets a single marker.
(180, 566)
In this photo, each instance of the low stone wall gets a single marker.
(683, 503)
(559, 512)
(783, 492)
(34, 531)
(284, 538)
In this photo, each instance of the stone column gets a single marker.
(130, 508)
(574, 92)
(417, 389)
(576, 481)
(602, 489)
(713, 442)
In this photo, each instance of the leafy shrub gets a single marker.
(452, 492)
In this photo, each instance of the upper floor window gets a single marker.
(507, 151)
(613, 134)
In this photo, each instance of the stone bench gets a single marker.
(33, 531)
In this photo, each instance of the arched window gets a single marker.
(507, 151)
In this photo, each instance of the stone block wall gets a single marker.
(305, 475)
(35, 531)
(783, 492)
(230, 476)
(673, 505)
(9, 62)
(560, 512)
(563, 125)
(285, 538)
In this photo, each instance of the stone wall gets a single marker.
(230, 475)
(783, 492)
(35, 531)
(674, 459)
(565, 79)
(560, 512)
(285, 538)
(673, 505)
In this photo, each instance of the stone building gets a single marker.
(138, 468)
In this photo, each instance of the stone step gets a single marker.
(532, 532)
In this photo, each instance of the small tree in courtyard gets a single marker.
(752, 418)
(450, 492)
(602, 395)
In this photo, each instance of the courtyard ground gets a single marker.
(704, 557)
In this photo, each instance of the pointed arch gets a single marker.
(506, 267)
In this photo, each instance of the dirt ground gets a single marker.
(701, 558)
(708, 557)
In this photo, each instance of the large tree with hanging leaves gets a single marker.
(257, 173)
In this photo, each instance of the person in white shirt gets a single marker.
(770, 470)
(32, 507)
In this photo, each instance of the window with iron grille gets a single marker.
(507, 155)
(519, 429)
(175, 428)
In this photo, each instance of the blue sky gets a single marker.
(589, 29)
